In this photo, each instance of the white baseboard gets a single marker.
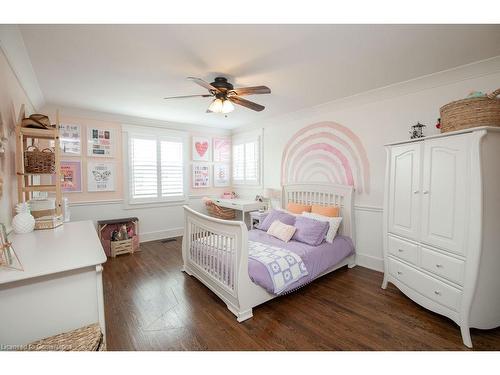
(371, 262)
(160, 235)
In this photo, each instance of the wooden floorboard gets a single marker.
(151, 305)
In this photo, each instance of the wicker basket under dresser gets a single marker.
(441, 225)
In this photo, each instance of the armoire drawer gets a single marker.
(426, 285)
(403, 250)
(442, 265)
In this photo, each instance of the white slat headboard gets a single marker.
(325, 195)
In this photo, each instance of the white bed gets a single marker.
(221, 263)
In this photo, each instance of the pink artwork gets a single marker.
(326, 152)
(201, 149)
(71, 176)
(222, 150)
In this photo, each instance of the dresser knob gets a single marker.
(416, 191)
(439, 265)
(400, 250)
(426, 191)
(400, 273)
(437, 292)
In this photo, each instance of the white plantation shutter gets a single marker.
(143, 168)
(246, 161)
(155, 168)
(252, 162)
(172, 169)
(239, 163)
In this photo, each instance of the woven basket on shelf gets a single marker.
(36, 161)
(470, 113)
(220, 212)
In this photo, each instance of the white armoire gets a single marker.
(442, 225)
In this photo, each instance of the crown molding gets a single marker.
(443, 78)
(14, 49)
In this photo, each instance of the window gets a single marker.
(156, 168)
(246, 161)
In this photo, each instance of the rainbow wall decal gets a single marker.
(326, 152)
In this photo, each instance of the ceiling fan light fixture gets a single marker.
(216, 106)
(227, 106)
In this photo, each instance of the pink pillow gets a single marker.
(281, 231)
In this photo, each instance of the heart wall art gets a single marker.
(201, 148)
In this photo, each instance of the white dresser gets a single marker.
(60, 288)
(442, 225)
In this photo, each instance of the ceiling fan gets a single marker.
(225, 95)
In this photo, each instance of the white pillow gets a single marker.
(281, 231)
(333, 221)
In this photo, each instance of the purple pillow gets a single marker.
(276, 215)
(310, 231)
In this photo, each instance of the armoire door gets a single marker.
(445, 192)
(404, 189)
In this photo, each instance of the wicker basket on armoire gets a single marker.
(471, 112)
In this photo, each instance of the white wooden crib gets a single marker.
(215, 251)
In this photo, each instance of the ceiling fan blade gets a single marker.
(189, 96)
(251, 90)
(203, 83)
(246, 103)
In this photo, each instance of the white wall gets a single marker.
(154, 223)
(377, 117)
(12, 96)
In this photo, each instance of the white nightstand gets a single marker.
(256, 217)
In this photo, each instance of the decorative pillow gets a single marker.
(281, 231)
(333, 221)
(330, 211)
(298, 208)
(310, 231)
(274, 215)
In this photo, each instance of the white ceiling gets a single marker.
(128, 69)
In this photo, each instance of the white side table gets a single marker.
(256, 217)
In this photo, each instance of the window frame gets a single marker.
(243, 138)
(158, 134)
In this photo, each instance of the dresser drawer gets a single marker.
(403, 249)
(442, 265)
(426, 285)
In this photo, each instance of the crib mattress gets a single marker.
(317, 259)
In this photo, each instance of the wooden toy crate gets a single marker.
(122, 247)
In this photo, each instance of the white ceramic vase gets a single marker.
(23, 222)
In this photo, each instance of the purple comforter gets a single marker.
(316, 258)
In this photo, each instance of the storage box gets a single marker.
(48, 222)
(122, 247)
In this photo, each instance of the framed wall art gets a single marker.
(201, 175)
(201, 149)
(100, 176)
(222, 150)
(221, 175)
(71, 176)
(70, 139)
(100, 142)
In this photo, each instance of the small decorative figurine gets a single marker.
(417, 131)
(114, 235)
(438, 124)
(259, 198)
(122, 234)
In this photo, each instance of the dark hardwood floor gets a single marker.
(151, 305)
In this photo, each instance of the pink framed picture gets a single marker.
(222, 150)
(71, 176)
(201, 149)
